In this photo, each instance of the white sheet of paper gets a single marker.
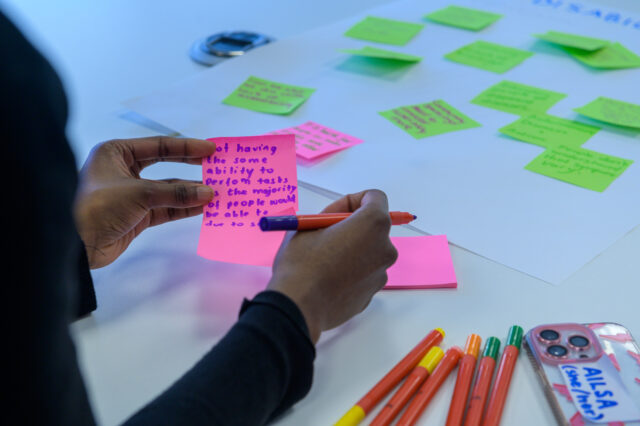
(471, 184)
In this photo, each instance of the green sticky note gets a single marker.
(612, 56)
(546, 131)
(573, 40)
(488, 56)
(517, 98)
(374, 52)
(429, 119)
(463, 17)
(582, 167)
(267, 96)
(381, 30)
(612, 111)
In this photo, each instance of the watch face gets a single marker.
(215, 48)
(229, 44)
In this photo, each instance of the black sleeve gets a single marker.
(257, 371)
(86, 295)
(43, 265)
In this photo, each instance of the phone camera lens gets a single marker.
(557, 351)
(549, 335)
(579, 341)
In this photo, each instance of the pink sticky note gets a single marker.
(251, 177)
(245, 245)
(423, 262)
(314, 140)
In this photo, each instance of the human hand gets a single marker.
(332, 273)
(114, 205)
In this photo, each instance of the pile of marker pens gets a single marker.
(427, 366)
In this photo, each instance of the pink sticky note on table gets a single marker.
(314, 140)
(423, 262)
(251, 177)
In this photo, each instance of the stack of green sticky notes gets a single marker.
(612, 111)
(374, 52)
(382, 30)
(463, 17)
(594, 52)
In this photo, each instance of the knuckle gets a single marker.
(377, 192)
(171, 213)
(181, 194)
(163, 147)
(379, 219)
(185, 195)
(391, 254)
(106, 148)
(148, 191)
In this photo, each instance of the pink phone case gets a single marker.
(559, 351)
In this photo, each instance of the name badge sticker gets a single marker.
(598, 392)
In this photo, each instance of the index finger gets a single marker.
(351, 202)
(164, 148)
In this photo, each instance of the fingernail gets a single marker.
(204, 193)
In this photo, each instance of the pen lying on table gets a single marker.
(307, 222)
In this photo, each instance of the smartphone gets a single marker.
(590, 372)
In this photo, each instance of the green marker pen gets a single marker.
(503, 377)
(480, 390)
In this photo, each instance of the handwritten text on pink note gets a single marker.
(423, 262)
(251, 177)
(314, 140)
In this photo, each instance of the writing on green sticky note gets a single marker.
(382, 30)
(488, 56)
(578, 166)
(429, 119)
(546, 130)
(374, 52)
(261, 95)
(463, 17)
(612, 56)
(573, 40)
(612, 111)
(516, 98)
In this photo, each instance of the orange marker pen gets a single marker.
(358, 412)
(483, 382)
(409, 387)
(463, 382)
(503, 377)
(430, 387)
(306, 222)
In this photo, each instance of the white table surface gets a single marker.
(161, 307)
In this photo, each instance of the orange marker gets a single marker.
(306, 222)
(430, 387)
(463, 382)
(358, 412)
(483, 382)
(503, 377)
(409, 387)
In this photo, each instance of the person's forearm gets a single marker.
(257, 371)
